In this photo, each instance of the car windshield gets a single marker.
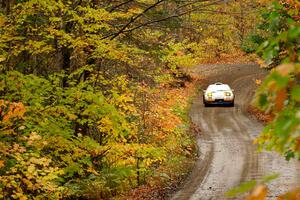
(215, 88)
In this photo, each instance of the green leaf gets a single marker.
(295, 93)
(263, 100)
(294, 33)
(269, 178)
(281, 81)
(244, 187)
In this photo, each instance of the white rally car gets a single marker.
(218, 93)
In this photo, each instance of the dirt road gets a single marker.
(227, 154)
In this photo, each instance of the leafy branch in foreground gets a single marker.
(280, 92)
(250, 185)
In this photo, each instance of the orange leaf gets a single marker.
(1, 164)
(292, 195)
(285, 69)
(259, 193)
(280, 98)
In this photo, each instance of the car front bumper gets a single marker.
(218, 101)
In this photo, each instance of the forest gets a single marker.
(95, 94)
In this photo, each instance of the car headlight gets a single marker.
(227, 93)
(209, 94)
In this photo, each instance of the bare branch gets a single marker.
(133, 19)
(125, 30)
(120, 5)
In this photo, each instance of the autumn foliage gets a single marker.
(279, 94)
(87, 111)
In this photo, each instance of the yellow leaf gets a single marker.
(2, 58)
(72, 117)
(2, 20)
(258, 82)
(92, 170)
(261, 63)
(135, 10)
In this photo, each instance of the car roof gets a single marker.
(218, 86)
